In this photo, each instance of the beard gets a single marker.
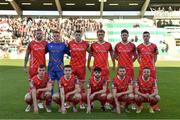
(39, 38)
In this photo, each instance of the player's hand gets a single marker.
(63, 110)
(37, 91)
(36, 110)
(25, 69)
(91, 96)
(89, 68)
(145, 95)
(118, 110)
(113, 68)
(67, 95)
(118, 95)
(88, 109)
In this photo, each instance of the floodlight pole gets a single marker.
(144, 8)
(101, 8)
(16, 7)
(59, 8)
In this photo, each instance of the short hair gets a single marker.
(121, 67)
(78, 31)
(67, 66)
(42, 66)
(124, 31)
(97, 69)
(101, 31)
(146, 32)
(146, 68)
(55, 31)
(38, 30)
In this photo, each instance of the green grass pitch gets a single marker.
(14, 85)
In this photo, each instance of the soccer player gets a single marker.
(147, 55)
(69, 90)
(36, 51)
(40, 89)
(78, 48)
(125, 53)
(56, 50)
(99, 50)
(122, 90)
(146, 90)
(97, 89)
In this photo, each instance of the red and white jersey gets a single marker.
(121, 85)
(38, 83)
(125, 53)
(78, 53)
(146, 86)
(100, 53)
(147, 54)
(96, 85)
(37, 53)
(68, 85)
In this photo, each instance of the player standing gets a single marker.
(78, 48)
(99, 50)
(36, 51)
(69, 90)
(56, 50)
(40, 89)
(147, 55)
(146, 90)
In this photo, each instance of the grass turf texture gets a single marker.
(13, 87)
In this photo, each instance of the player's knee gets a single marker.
(27, 97)
(103, 95)
(55, 96)
(136, 97)
(157, 97)
(131, 96)
(77, 96)
(109, 96)
(48, 94)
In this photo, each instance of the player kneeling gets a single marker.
(40, 89)
(97, 89)
(69, 90)
(122, 95)
(146, 91)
